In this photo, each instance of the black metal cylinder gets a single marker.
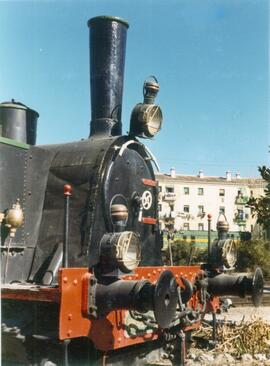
(222, 285)
(18, 122)
(107, 60)
(121, 294)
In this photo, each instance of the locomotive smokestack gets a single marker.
(107, 61)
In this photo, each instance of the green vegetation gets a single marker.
(185, 253)
(253, 254)
(261, 206)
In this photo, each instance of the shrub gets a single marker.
(185, 253)
(253, 254)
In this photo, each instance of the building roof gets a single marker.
(208, 179)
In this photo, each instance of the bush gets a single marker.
(253, 254)
(185, 253)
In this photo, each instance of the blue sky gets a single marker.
(210, 58)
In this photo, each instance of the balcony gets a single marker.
(169, 197)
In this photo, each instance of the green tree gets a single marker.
(261, 206)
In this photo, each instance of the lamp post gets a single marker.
(209, 219)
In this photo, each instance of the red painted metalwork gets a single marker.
(149, 182)
(30, 293)
(149, 220)
(67, 190)
(108, 333)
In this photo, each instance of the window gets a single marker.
(186, 208)
(159, 188)
(222, 192)
(200, 191)
(240, 214)
(200, 210)
(159, 207)
(169, 189)
(186, 226)
(172, 207)
(200, 226)
(222, 210)
(186, 190)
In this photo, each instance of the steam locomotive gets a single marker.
(83, 282)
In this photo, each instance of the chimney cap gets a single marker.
(107, 17)
(173, 172)
(228, 175)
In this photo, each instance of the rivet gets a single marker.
(119, 339)
(130, 278)
(136, 275)
(190, 273)
(181, 274)
(159, 269)
(154, 272)
(176, 276)
(148, 275)
(143, 278)
(69, 333)
(65, 279)
(69, 316)
(75, 282)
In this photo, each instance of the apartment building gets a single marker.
(185, 200)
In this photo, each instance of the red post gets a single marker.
(67, 194)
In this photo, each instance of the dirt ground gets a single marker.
(237, 314)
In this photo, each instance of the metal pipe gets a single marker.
(209, 219)
(67, 194)
(107, 61)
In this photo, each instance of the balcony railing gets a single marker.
(169, 197)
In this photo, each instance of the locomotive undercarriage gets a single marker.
(30, 338)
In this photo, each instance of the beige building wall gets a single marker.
(185, 201)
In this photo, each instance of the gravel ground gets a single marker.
(204, 357)
(237, 314)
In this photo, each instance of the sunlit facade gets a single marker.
(185, 201)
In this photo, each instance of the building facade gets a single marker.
(185, 201)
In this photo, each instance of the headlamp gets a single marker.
(121, 251)
(146, 117)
